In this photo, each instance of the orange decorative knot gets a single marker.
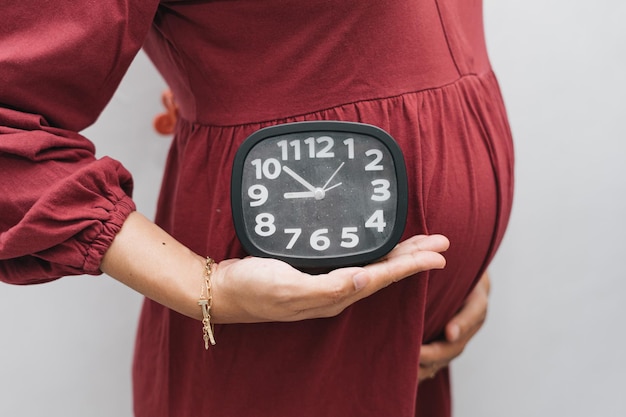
(164, 123)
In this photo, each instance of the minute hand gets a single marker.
(331, 178)
(299, 179)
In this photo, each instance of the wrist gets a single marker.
(147, 259)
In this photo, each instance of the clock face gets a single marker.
(319, 194)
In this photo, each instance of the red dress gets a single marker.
(418, 69)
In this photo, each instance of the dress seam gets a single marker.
(168, 35)
(445, 34)
(366, 100)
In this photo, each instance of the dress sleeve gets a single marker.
(60, 63)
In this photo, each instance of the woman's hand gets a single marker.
(258, 290)
(147, 259)
(458, 332)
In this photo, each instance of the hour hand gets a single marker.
(318, 194)
(299, 194)
(299, 179)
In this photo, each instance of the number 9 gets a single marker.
(258, 193)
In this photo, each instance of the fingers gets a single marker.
(435, 243)
(429, 371)
(344, 286)
(436, 356)
(459, 331)
(473, 314)
(418, 254)
(328, 294)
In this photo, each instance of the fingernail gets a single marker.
(360, 280)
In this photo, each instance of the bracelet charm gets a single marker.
(205, 302)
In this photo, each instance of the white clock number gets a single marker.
(295, 144)
(381, 190)
(350, 144)
(265, 225)
(258, 193)
(376, 221)
(296, 232)
(349, 238)
(270, 168)
(374, 164)
(325, 152)
(318, 241)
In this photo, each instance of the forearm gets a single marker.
(147, 259)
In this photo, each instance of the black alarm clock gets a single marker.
(320, 194)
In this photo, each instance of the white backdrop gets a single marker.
(553, 342)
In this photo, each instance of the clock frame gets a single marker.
(319, 194)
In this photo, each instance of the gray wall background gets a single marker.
(554, 340)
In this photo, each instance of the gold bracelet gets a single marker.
(205, 302)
